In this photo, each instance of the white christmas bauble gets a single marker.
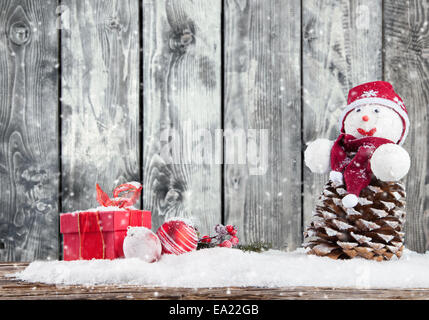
(317, 156)
(390, 162)
(142, 243)
(374, 120)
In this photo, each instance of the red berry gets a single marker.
(234, 241)
(226, 244)
(206, 239)
(230, 229)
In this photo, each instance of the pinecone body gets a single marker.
(372, 229)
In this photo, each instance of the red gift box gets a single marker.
(99, 233)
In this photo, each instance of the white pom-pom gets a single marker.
(142, 243)
(318, 154)
(350, 201)
(390, 162)
(336, 177)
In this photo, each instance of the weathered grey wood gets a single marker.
(342, 48)
(262, 91)
(406, 66)
(181, 69)
(100, 98)
(28, 130)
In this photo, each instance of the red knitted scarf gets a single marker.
(357, 170)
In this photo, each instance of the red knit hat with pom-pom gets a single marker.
(377, 92)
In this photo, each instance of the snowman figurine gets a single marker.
(363, 197)
(373, 126)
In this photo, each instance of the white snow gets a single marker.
(380, 213)
(392, 224)
(364, 201)
(328, 215)
(353, 212)
(103, 209)
(341, 191)
(385, 237)
(342, 225)
(360, 238)
(328, 193)
(375, 189)
(135, 184)
(337, 178)
(369, 225)
(388, 205)
(223, 267)
(330, 232)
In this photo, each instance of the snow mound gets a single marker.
(223, 267)
(103, 209)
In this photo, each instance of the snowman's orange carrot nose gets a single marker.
(365, 118)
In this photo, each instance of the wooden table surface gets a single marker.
(13, 289)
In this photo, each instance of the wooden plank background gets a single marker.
(208, 103)
(181, 109)
(29, 135)
(262, 91)
(99, 98)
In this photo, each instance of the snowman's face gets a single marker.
(374, 120)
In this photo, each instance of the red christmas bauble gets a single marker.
(177, 237)
(229, 228)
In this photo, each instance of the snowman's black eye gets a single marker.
(376, 110)
(358, 110)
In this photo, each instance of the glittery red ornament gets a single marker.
(177, 237)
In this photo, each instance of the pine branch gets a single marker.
(203, 245)
(258, 246)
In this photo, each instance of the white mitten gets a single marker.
(390, 162)
(317, 156)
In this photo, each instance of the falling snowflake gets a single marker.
(370, 93)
